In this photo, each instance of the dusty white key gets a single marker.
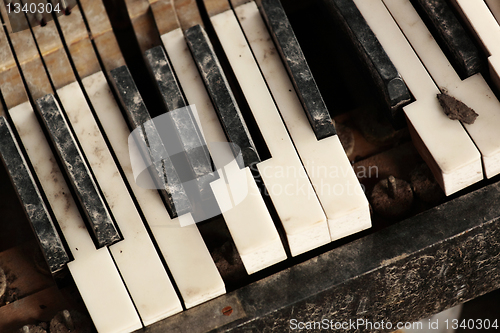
(183, 248)
(443, 143)
(290, 190)
(487, 30)
(139, 264)
(250, 216)
(473, 91)
(494, 6)
(94, 271)
(325, 161)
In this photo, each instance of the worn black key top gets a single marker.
(225, 105)
(180, 121)
(451, 35)
(389, 83)
(296, 64)
(150, 143)
(181, 114)
(94, 207)
(29, 194)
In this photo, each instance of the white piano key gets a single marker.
(265, 248)
(325, 161)
(183, 248)
(111, 308)
(141, 268)
(245, 234)
(443, 143)
(486, 29)
(289, 188)
(473, 91)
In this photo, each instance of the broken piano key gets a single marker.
(181, 122)
(94, 207)
(150, 144)
(389, 82)
(216, 83)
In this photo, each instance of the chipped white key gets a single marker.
(443, 143)
(94, 271)
(486, 29)
(283, 174)
(473, 91)
(325, 161)
(183, 248)
(250, 216)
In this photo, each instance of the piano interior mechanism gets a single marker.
(245, 165)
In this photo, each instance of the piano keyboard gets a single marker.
(76, 130)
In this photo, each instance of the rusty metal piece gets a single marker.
(424, 185)
(33, 329)
(227, 311)
(392, 198)
(391, 187)
(70, 321)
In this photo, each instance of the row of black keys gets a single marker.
(389, 82)
(155, 147)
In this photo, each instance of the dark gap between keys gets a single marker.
(129, 46)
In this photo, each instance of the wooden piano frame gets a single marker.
(423, 265)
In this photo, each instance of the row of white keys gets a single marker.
(248, 221)
(185, 253)
(183, 248)
(473, 91)
(443, 143)
(93, 271)
(486, 29)
(135, 256)
(325, 161)
(283, 174)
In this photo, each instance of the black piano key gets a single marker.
(451, 35)
(31, 199)
(150, 143)
(94, 207)
(296, 64)
(161, 70)
(225, 104)
(181, 120)
(389, 83)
